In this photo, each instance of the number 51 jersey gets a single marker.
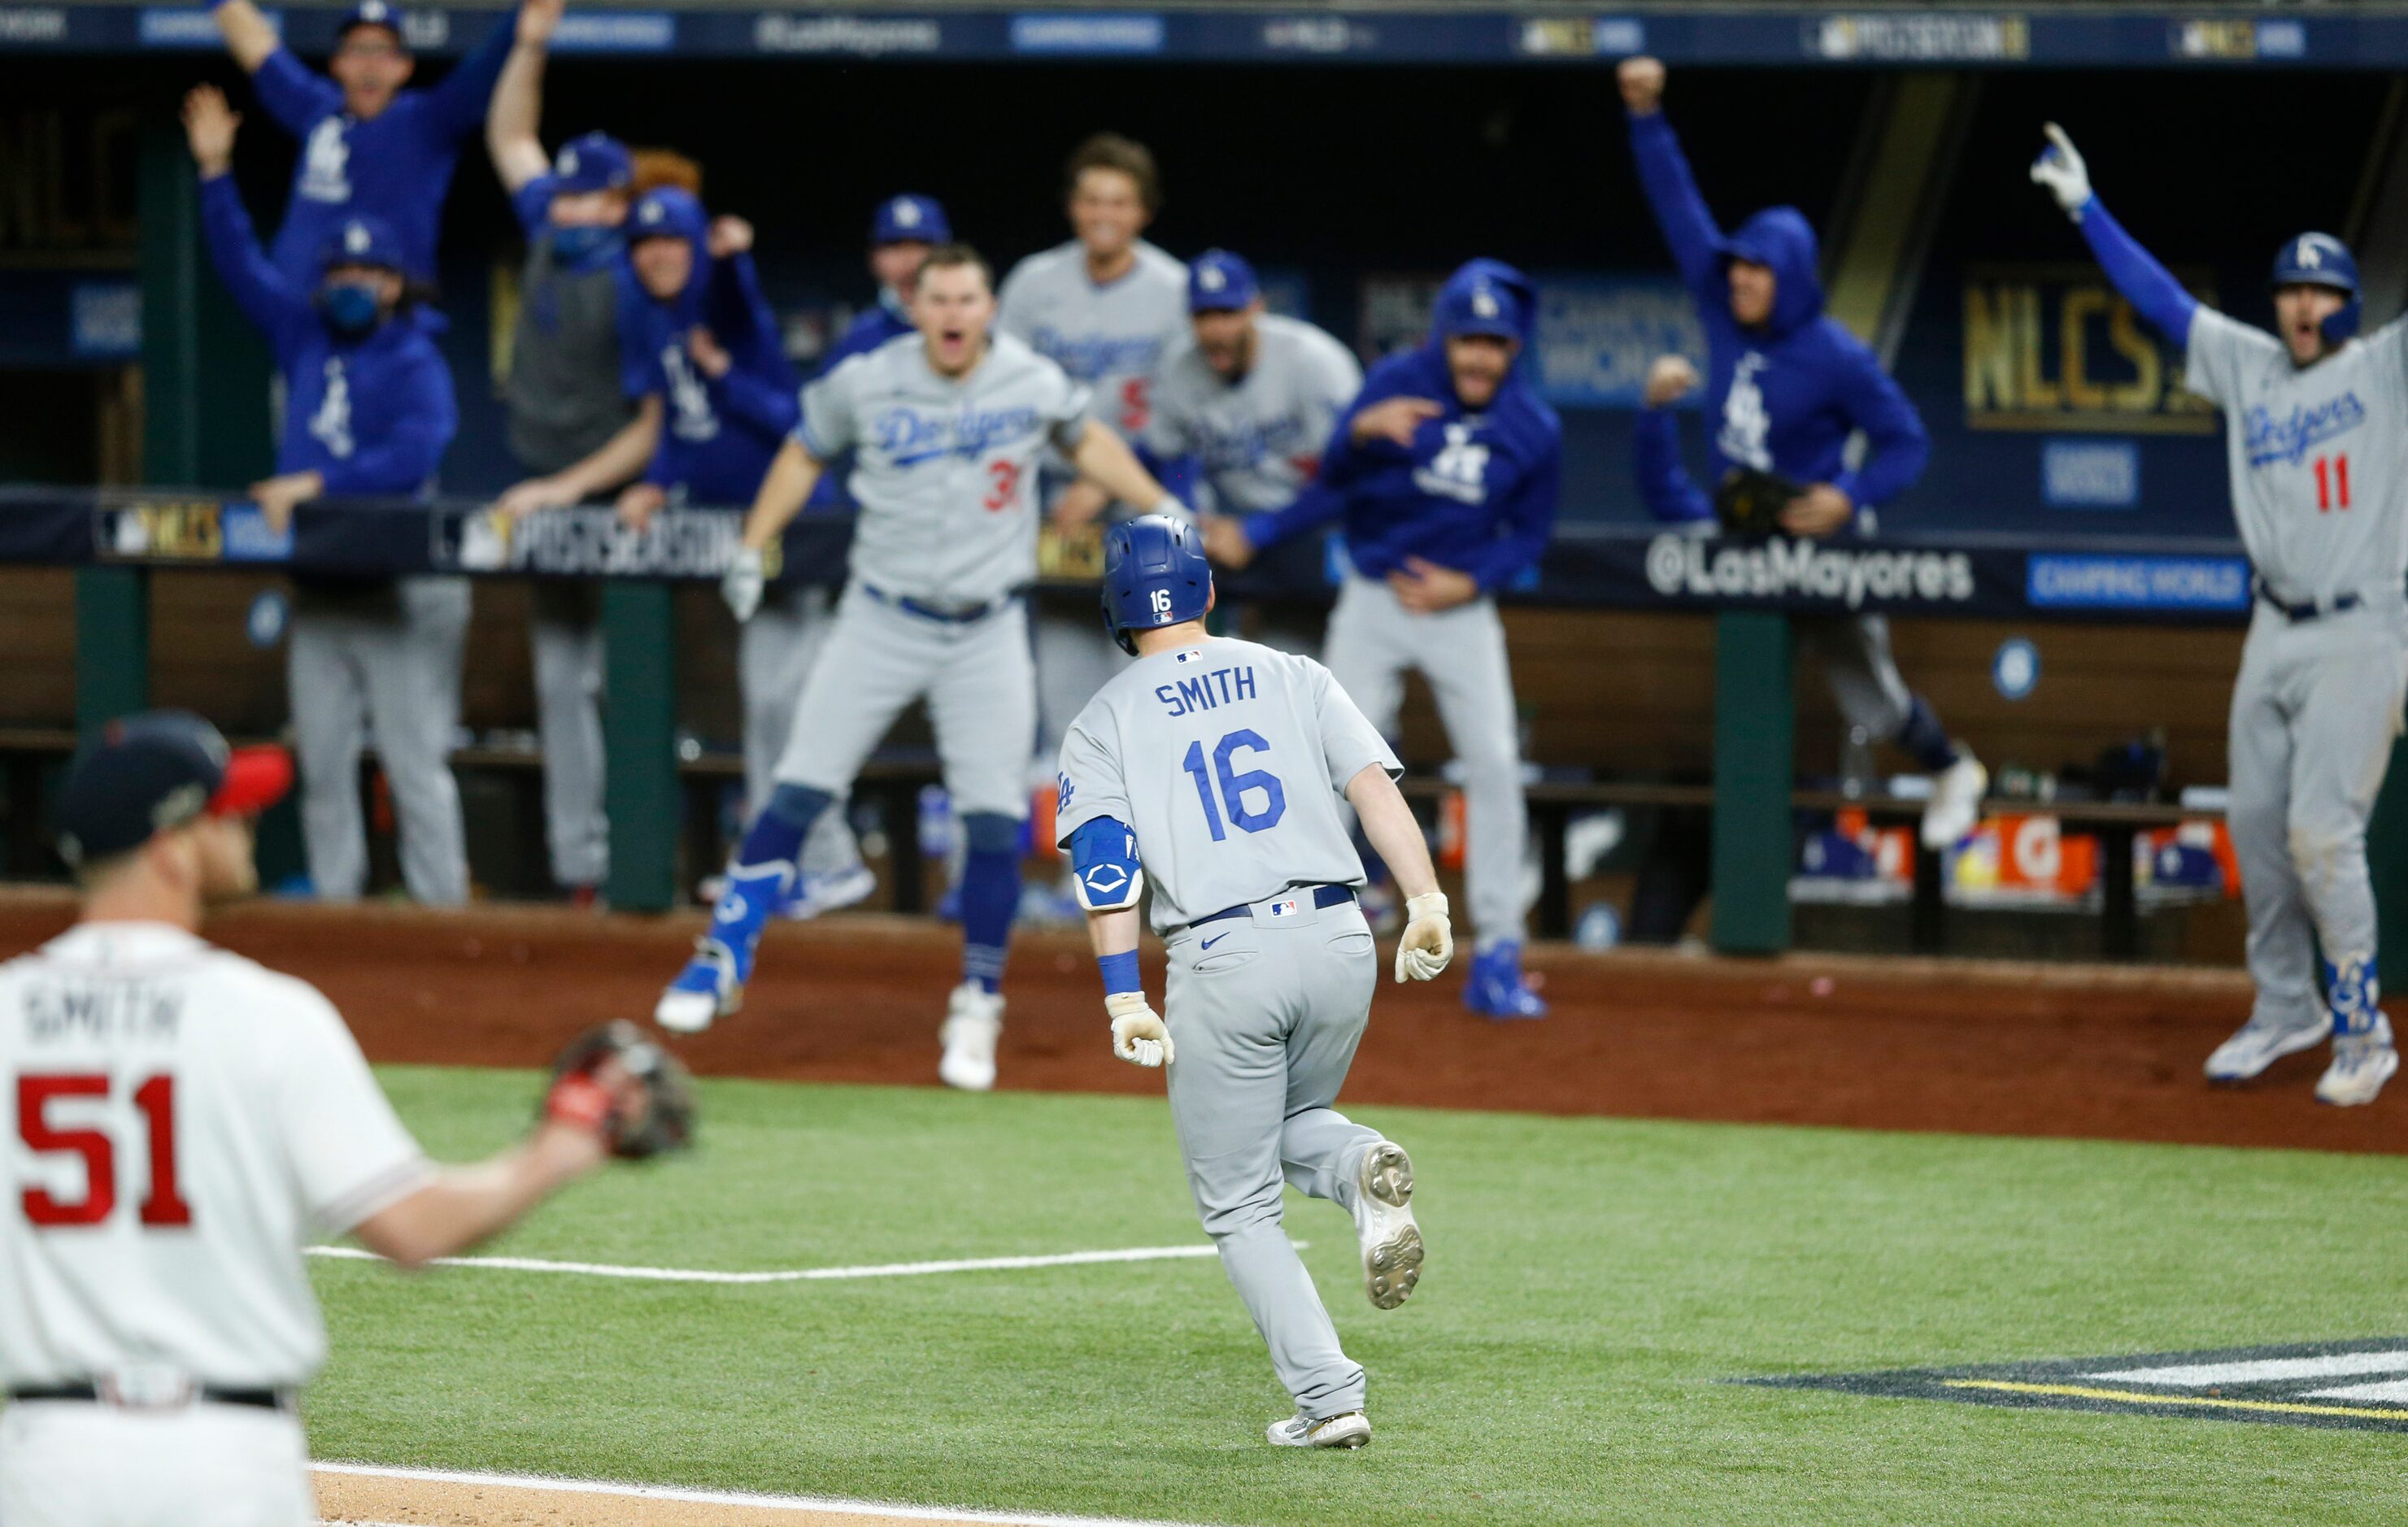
(174, 1122)
(1228, 760)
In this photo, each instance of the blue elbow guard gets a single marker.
(1104, 864)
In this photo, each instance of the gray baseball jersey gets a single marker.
(1111, 338)
(943, 470)
(2319, 456)
(1260, 437)
(1226, 760)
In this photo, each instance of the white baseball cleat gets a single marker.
(2361, 1064)
(1383, 1223)
(832, 893)
(1955, 804)
(1352, 1429)
(705, 990)
(2260, 1042)
(973, 1022)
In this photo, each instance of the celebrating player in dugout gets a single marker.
(2320, 492)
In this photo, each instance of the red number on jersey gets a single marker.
(1004, 478)
(165, 1205)
(1137, 403)
(33, 1094)
(2332, 482)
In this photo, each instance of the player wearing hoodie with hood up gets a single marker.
(369, 414)
(1785, 388)
(1446, 469)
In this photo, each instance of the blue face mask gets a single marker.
(349, 310)
(583, 245)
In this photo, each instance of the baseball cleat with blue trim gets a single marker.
(1495, 988)
(1352, 1429)
(705, 990)
(2260, 1042)
(2361, 1064)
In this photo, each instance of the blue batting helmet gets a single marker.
(1155, 575)
(2322, 259)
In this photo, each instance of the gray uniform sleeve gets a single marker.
(1090, 785)
(1349, 742)
(825, 428)
(1011, 304)
(2221, 352)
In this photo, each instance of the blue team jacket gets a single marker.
(1812, 383)
(397, 166)
(718, 436)
(1476, 492)
(374, 415)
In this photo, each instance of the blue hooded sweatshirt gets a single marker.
(718, 434)
(1475, 492)
(396, 166)
(1784, 396)
(373, 413)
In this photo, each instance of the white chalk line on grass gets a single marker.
(796, 1274)
(725, 1497)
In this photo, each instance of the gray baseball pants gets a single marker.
(564, 630)
(1264, 1025)
(774, 654)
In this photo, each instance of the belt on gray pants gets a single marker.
(1323, 895)
(264, 1399)
(2299, 614)
(949, 614)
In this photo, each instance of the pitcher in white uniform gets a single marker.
(175, 1124)
(2316, 438)
(946, 425)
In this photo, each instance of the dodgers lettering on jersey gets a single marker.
(1113, 338)
(1258, 439)
(176, 1123)
(2318, 457)
(1228, 760)
(943, 470)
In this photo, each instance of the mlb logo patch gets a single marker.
(1194, 654)
(1283, 909)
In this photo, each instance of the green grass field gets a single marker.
(1591, 1285)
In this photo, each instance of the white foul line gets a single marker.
(722, 1497)
(795, 1274)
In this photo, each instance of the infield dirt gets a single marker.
(1963, 1047)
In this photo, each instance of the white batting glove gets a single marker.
(1428, 943)
(1139, 1036)
(743, 584)
(2059, 171)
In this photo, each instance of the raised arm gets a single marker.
(458, 105)
(2148, 286)
(1680, 212)
(250, 36)
(514, 119)
(259, 288)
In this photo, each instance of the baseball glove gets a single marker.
(1749, 502)
(648, 1112)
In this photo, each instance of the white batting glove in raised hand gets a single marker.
(1138, 1034)
(1428, 943)
(2061, 171)
(743, 583)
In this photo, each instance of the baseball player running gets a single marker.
(175, 1124)
(1789, 386)
(1249, 396)
(1446, 467)
(2316, 421)
(1215, 767)
(1106, 307)
(368, 147)
(946, 426)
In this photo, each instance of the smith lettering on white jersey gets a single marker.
(176, 1123)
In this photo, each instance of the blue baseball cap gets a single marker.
(592, 162)
(911, 219)
(362, 241)
(1485, 297)
(373, 13)
(669, 212)
(1219, 281)
(155, 772)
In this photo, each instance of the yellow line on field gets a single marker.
(2081, 1391)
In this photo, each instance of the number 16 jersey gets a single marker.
(1226, 760)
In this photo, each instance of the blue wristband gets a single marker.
(1119, 972)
